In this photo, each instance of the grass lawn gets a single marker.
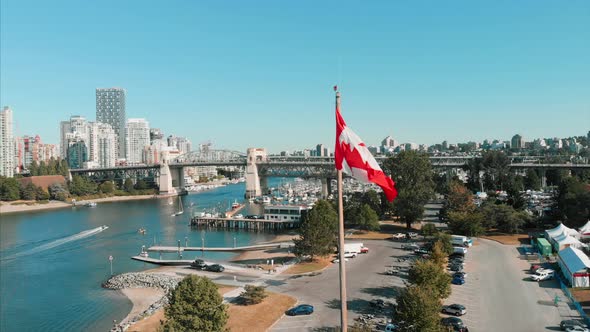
(152, 323)
(306, 267)
(259, 317)
(508, 239)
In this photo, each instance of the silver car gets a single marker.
(454, 309)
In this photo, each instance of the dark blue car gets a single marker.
(458, 281)
(302, 309)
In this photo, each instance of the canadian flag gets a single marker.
(353, 157)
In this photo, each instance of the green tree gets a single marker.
(438, 254)
(418, 310)
(318, 230)
(466, 223)
(28, 191)
(63, 168)
(128, 186)
(252, 294)
(573, 201)
(458, 199)
(368, 219)
(504, 217)
(58, 192)
(371, 198)
(43, 168)
(9, 189)
(495, 165)
(427, 273)
(41, 194)
(445, 242)
(195, 305)
(34, 168)
(429, 229)
(106, 187)
(80, 186)
(412, 173)
(141, 185)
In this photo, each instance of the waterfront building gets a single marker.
(19, 156)
(388, 142)
(47, 152)
(6, 143)
(106, 145)
(517, 142)
(77, 154)
(155, 134)
(110, 109)
(320, 150)
(64, 128)
(285, 213)
(182, 144)
(137, 134)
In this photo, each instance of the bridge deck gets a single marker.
(243, 248)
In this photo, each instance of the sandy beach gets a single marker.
(141, 298)
(7, 207)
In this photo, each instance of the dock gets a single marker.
(231, 213)
(243, 224)
(168, 262)
(228, 249)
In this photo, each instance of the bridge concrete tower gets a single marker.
(253, 188)
(165, 181)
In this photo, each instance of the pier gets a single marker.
(243, 224)
(228, 249)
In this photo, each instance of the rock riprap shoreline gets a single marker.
(143, 280)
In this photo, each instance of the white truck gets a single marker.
(353, 247)
(461, 240)
(543, 275)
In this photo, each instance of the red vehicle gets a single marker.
(364, 250)
(535, 267)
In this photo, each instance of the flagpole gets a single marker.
(343, 308)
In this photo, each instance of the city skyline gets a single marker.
(405, 71)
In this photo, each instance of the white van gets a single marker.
(461, 240)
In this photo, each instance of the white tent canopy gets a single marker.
(563, 241)
(561, 229)
(574, 265)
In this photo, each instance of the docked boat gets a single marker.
(265, 200)
(143, 252)
(235, 205)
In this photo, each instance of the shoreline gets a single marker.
(8, 208)
(139, 303)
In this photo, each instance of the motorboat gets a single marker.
(90, 204)
(103, 227)
(265, 200)
(235, 205)
(141, 231)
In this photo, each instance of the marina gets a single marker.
(231, 249)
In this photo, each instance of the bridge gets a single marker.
(259, 166)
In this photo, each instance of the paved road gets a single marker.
(366, 280)
(498, 294)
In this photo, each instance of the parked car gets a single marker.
(454, 309)
(421, 251)
(458, 281)
(543, 275)
(337, 260)
(364, 250)
(576, 329)
(378, 303)
(410, 246)
(456, 268)
(349, 254)
(398, 236)
(571, 323)
(534, 268)
(460, 275)
(302, 309)
(390, 327)
(198, 264)
(456, 255)
(455, 323)
(215, 268)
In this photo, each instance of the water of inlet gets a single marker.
(52, 263)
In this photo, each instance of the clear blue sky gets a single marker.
(260, 73)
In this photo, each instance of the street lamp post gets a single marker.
(111, 261)
(234, 241)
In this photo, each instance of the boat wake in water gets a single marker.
(56, 243)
